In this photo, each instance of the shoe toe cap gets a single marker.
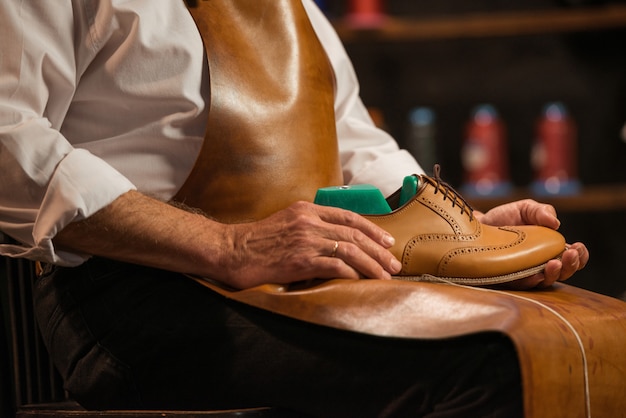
(503, 251)
(492, 253)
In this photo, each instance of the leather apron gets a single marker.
(271, 140)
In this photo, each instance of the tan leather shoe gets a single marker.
(438, 238)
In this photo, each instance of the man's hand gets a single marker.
(529, 212)
(308, 241)
(302, 242)
(297, 243)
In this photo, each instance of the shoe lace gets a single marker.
(449, 193)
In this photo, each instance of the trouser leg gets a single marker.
(153, 339)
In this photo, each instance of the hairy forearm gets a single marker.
(291, 245)
(138, 229)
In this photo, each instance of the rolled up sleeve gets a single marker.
(45, 182)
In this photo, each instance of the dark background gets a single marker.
(586, 70)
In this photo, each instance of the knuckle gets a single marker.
(300, 223)
(300, 205)
(348, 250)
(303, 264)
(351, 218)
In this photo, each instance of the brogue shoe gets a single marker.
(439, 239)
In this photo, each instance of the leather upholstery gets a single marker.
(271, 137)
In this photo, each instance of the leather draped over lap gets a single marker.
(555, 368)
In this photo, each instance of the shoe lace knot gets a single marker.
(449, 193)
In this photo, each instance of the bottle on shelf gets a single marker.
(365, 14)
(420, 140)
(485, 154)
(554, 154)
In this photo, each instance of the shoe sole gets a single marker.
(474, 281)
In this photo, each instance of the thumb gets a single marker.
(541, 214)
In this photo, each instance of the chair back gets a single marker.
(28, 375)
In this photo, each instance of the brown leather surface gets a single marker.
(550, 357)
(271, 137)
(271, 140)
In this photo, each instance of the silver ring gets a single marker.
(334, 251)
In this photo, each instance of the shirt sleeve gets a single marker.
(46, 183)
(368, 154)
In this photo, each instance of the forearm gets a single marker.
(291, 245)
(138, 229)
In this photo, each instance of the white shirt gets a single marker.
(99, 97)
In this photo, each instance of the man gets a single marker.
(103, 110)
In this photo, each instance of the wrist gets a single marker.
(217, 257)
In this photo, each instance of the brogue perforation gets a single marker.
(438, 238)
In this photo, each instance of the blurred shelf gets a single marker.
(590, 199)
(487, 24)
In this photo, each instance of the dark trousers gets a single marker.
(130, 337)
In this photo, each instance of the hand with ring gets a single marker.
(307, 241)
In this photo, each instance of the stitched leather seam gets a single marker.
(445, 262)
(409, 249)
(568, 324)
(446, 259)
(443, 212)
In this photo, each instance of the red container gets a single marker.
(554, 155)
(485, 154)
(366, 13)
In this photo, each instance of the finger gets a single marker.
(356, 221)
(361, 253)
(551, 273)
(535, 213)
(522, 212)
(360, 242)
(335, 268)
(583, 254)
(525, 283)
(358, 250)
(350, 261)
(542, 280)
(363, 243)
(570, 264)
(572, 260)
